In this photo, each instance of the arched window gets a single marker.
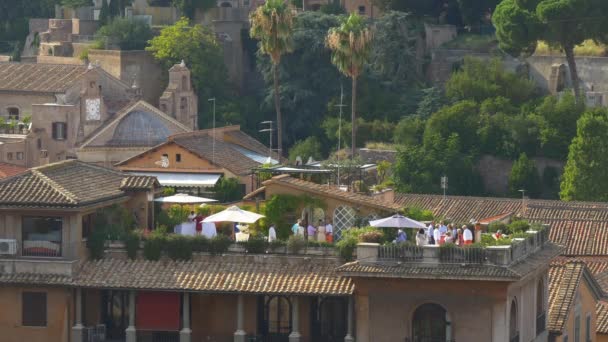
(184, 82)
(184, 105)
(540, 307)
(431, 323)
(13, 113)
(513, 326)
(277, 316)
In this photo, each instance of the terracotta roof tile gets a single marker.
(564, 280)
(8, 170)
(69, 183)
(135, 183)
(45, 78)
(332, 191)
(602, 317)
(245, 274)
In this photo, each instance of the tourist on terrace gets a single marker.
(312, 231)
(321, 232)
(448, 238)
(421, 238)
(401, 236)
(458, 239)
(329, 231)
(192, 216)
(272, 234)
(467, 235)
(497, 235)
(431, 233)
(442, 228)
(296, 227)
(437, 237)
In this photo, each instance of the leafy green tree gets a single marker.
(524, 175)
(198, 48)
(104, 13)
(461, 118)
(561, 23)
(272, 23)
(432, 100)
(479, 80)
(419, 168)
(228, 190)
(332, 7)
(473, 11)
(559, 124)
(128, 34)
(409, 131)
(309, 147)
(350, 44)
(584, 177)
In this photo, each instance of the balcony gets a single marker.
(42, 258)
(451, 254)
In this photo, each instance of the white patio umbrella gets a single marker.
(184, 199)
(234, 214)
(396, 221)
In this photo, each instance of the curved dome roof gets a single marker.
(140, 128)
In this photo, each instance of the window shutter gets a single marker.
(34, 309)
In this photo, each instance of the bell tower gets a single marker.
(179, 100)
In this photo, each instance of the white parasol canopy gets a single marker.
(234, 214)
(184, 199)
(396, 221)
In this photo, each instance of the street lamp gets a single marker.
(213, 140)
(269, 130)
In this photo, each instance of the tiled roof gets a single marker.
(8, 170)
(34, 279)
(331, 191)
(44, 78)
(135, 183)
(228, 274)
(602, 317)
(228, 149)
(419, 270)
(70, 183)
(579, 226)
(563, 285)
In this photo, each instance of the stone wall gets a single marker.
(593, 71)
(443, 62)
(437, 35)
(495, 171)
(130, 65)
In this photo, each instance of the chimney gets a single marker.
(44, 157)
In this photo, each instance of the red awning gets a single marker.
(158, 311)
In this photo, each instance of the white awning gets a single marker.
(183, 179)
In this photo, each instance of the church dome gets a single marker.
(140, 128)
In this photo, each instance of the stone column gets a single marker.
(131, 333)
(350, 323)
(240, 335)
(185, 335)
(295, 321)
(78, 328)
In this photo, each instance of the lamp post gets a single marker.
(269, 130)
(341, 105)
(213, 140)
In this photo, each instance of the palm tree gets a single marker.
(350, 45)
(272, 24)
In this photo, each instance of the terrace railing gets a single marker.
(462, 255)
(400, 252)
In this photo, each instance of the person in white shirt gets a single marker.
(431, 233)
(467, 235)
(272, 234)
(421, 238)
(437, 236)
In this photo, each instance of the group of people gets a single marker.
(207, 229)
(440, 234)
(323, 232)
